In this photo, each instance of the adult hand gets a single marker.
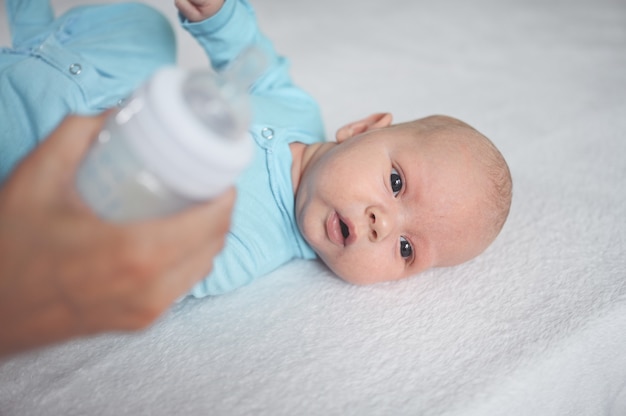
(65, 273)
(198, 10)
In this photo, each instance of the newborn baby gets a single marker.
(389, 201)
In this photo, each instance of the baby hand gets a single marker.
(197, 10)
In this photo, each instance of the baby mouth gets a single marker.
(345, 231)
(337, 230)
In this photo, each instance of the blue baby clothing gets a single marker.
(92, 57)
(264, 233)
(83, 62)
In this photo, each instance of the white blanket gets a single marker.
(535, 326)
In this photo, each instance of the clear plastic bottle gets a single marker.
(181, 138)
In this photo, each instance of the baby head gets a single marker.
(387, 201)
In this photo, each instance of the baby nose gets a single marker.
(380, 224)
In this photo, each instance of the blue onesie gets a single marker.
(264, 234)
(83, 62)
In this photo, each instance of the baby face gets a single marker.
(388, 204)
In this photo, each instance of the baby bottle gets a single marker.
(179, 139)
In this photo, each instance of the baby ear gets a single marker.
(375, 121)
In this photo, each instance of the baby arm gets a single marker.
(229, 30)
(27, 18)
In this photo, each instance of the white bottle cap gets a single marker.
(179, 141)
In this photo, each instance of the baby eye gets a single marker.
(406, 251)
(396, 182)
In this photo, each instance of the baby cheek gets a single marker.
(364, 269)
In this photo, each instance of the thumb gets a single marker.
(67, 144)
(55, 160)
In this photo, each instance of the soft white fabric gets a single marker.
(535, 326)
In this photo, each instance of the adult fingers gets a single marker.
(167, 240)
(37, 176)
(175, 284)
(142, 308)
(130, 259)
(53, 164)
(69, 141)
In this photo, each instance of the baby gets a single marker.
(389, 201)
(380, 203)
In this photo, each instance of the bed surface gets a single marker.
(534, 326)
